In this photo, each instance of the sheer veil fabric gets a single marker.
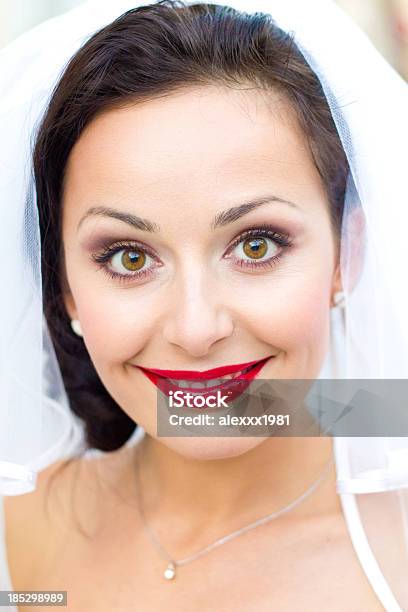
(369, 336)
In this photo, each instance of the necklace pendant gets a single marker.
(170, 571)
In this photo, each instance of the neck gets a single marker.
(193, 500)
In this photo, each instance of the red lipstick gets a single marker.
(245, 373)
(203, 374)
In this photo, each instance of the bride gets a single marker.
(196, 213)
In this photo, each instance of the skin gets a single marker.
(177, 161)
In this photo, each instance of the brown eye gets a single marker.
(133, 260)
(259, 247)
(255, 248)
(128, 260)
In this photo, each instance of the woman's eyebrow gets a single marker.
(232, 214)
(221, 218)
(126, 217)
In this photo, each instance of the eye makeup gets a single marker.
(266, 232)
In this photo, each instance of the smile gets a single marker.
(211, 384)
(220, 371)
(233, 380)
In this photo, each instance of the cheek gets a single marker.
(302, 317)
(305, 330)
(291, 311)
(116, 323)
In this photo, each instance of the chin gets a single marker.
(206, 448)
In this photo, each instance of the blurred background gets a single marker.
(385, 21)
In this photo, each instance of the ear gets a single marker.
(353, 248)
(336, 281)
(70, 305)
(67, 296)
(350, 254)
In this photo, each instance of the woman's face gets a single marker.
(188, 295)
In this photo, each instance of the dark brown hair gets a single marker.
(148, 52)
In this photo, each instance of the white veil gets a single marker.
(369, 336)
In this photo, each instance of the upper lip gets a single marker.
(204, 374)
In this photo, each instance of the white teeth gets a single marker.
(204, 384)
(181, 383)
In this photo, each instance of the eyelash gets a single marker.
(281, 238)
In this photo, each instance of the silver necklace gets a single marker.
(170, 571)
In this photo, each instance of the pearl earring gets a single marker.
(76, 326)
(339, 299)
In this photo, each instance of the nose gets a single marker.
(197, 316)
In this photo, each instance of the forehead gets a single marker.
(192, 144)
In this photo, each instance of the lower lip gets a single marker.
(235, 387)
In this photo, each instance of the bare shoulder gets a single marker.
(68, 494)
(27, 520)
